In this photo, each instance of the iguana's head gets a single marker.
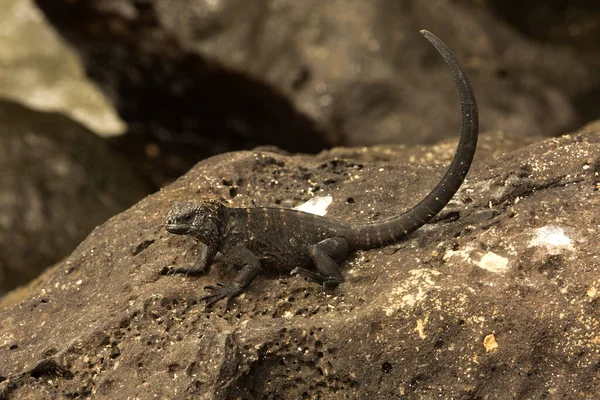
(195, 218)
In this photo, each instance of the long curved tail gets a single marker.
(379, 233)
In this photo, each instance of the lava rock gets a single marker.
(499, 299)
(58, 181)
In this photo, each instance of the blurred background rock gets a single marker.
(40, 71)
(192, 78)
(58, 179)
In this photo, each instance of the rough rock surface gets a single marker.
(57, 182)
(178, 70)
(498, 298)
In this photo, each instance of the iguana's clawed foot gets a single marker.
(328, 282)
(184, 271)
(219, 292)
(196, 269)
(174, 271)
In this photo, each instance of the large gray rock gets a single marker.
(57, 182)
(360, 70)
(497, 298)
(364, 73)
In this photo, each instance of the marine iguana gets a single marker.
(294, 241)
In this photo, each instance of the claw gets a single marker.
(211, 287)
(228, 302)
(186, 271)
(175, 271)
(308, 274)
(328, 282)
(220, 291)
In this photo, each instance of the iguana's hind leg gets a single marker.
(326, 255)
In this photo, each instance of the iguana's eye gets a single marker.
(187, 218)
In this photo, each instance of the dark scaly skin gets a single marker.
(297, 242)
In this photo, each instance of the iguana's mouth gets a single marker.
(178, 229)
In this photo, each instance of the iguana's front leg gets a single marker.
(207, 254)
(241, 256)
